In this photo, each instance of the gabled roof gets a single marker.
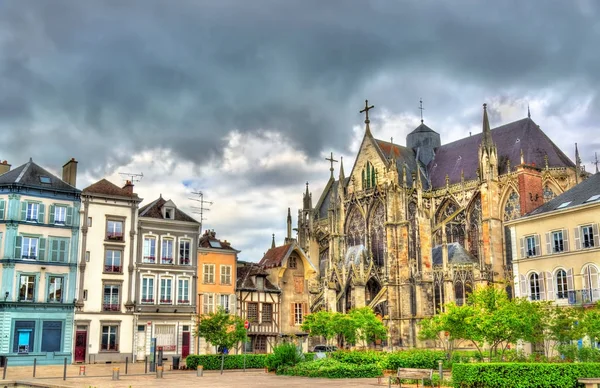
(32, 175)
(422, 128)
(457, 254)
(275, 256)
(404, 155)
(106, 187)
(587, 191)
(245, 278)
(154, 210)
(462, 155)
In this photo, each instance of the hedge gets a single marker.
(331, 368)
(412, 358)
(232, 361)
(522, 375)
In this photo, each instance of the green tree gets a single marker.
(320, 324)
(590, 323)
(345, 327)
(369, 327)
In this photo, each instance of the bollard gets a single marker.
(5, 366)
(65, 370)
(441, 370)
(159, 372)
(126, 364)
(81, 370)
(115, 375)
(34, 365)
(199, 371)
(146, 364)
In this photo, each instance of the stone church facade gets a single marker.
(413, 227)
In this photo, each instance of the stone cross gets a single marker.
(366, 111)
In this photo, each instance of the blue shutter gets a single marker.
(18, 243)
(41, 212)
(69, 220)
(23, 211)
(63, 252)
(2, 206)
(42, 249)
(52, 249)
(51, 210)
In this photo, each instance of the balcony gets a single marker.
(113, 268)
(149, 259)
(584, 297)
(114, 236)
(29, 257)
(111, 307)
(166, 260)
(148, 301)
(184, 261)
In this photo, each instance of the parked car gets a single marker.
(324, 348)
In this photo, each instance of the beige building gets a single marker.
(556, 248)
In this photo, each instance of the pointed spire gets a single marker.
(528, 112)
(273, 242)
(289, 224)
(307, 201)
(546, 161)
(366, 112)
(487, 135)
(342, 175)
(596, 161)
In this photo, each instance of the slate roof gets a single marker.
(275, 256)
(29, 175)
(208, 240)
(245, 274)
(404, 155)
(577, 195)
(457, 254)
(103, 186)
(154, 210)
(422, 128)
(510, 139)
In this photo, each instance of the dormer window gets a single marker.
(260, 282)
(169, 213)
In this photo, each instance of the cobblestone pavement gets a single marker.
(100, 376)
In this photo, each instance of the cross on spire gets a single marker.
(331, 160)
(366, 111)
(421, 109)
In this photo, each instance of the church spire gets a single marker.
(528, 112)
(273, 242)
(289, 224)
(342, 175)
(487, 133)
(366, 112)
(307, 199)
(577, 164)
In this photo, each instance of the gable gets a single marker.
(369, 152)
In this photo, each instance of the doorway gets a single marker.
(80, 346)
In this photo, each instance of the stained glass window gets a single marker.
(378, 234)
(355, 228)
(474, 223)
(512, 209)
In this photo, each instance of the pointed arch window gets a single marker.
(355, 229)
(378, 234)
(412, 218)
(438, 290)
(369, 176)
(512, 208)
(474, 224)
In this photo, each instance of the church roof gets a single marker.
(586, 192)
(32, 175)
(462, 155)
(154, 210)
(275, 256)
(404, 155)
(457, 254)
(422, 128)
(103, 186)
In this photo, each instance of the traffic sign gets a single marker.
(246, 325)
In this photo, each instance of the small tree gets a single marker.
(369, 327)
(221, 329)
(320, 324)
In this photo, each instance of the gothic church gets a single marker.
(413, 227)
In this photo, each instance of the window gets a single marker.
(84, 294)
(166, 337)
(298, 313)
(558, 242)
(114, 230)
(26, 288)
(110, 338)
(260, 282)
(369, 176)
(252, 314)
(225, 274)
(563, 205)
(149, 250)
(51, 336)
(208, 273)
(591, 284)
(169, 213)
(267, 313)
(24, 336)
(89, 222)
(224, 302)
(55, 289)
(29, 248)
(87, 256)
(531, 246)
(2, 209)
(60, 215)
(183, 291)
(147, 290)
(587, 236)
(260, 345)
(298, 284)
(184, 252)
(208, 303)
(112, 261)
(292, 262)
(534, 286)
(167, 251)
(561, 284)
(111, 298)
(59, 250)
(32, 212)
(593, 198)
(166, 285)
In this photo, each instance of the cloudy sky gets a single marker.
(243, 100)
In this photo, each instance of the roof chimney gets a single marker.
(129, 187)
(4, 167)
(69, 174)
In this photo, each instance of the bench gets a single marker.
(412, 374)
(590, 383)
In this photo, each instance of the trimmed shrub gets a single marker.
(232, 361)
(414, 358)
(285, 354)
(522, 375)
(359, 357)
(309, 356)
(331, 368)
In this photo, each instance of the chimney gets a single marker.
(4, 167)
(128, 187)
(70, 172)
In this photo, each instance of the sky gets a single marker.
(243, 100)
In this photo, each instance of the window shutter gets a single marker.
(570, 285)
(548, 245)
(292, 314)
(41, 213)
(542, 286)
(536, 239)
(18, 243)
(42, 249)
(577, 238)
(63, 251)
(52, 249)
(522, 242)
(524, 289)
(69, 218)
(304, 310)
(232, 304)
(23, 211)
(595, 287)
(2, 211)
(205, 270)
(566, 240)
(549, 286)
(596, 237)
(51, 210)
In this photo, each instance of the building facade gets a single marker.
(216, 280)
(39, 228)
(412, 227)
(103, 329)
(165, 291)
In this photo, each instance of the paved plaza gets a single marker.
(100, 376)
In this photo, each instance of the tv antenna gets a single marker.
(133, 176)
(200, 209)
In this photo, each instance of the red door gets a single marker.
(185, 344)
(80, 345)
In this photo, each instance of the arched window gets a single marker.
(459, 295)
(591, 288)
(561, 284)
(534, 286)
(438, 290)
(369, 176)
(355, 229)
(474, 223)
(512, 208)
(378, 234)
